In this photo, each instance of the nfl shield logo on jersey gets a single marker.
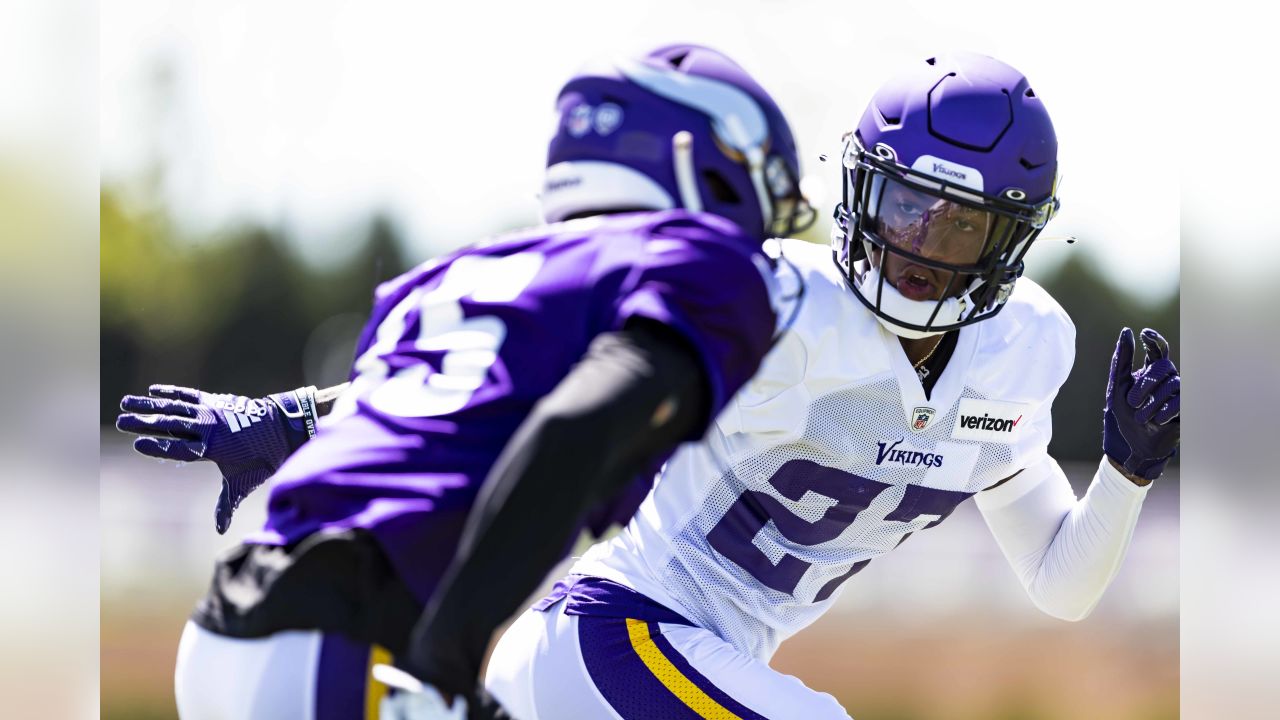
(920, 418)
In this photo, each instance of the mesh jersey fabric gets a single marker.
(819, 464)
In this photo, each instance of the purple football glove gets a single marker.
(1140, 424)
(247, 438)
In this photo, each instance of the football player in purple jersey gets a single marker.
(547, 372)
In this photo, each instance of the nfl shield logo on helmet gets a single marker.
(920, 418)
(579, 121)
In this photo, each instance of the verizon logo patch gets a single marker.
(990, 420)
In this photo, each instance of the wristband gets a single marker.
(299, 407)
(307, 404)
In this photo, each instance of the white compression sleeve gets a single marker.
(1065, 551)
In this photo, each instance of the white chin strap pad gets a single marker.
(904, 309)
(580, 186)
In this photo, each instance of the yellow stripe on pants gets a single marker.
(374, 691)
(670, 676)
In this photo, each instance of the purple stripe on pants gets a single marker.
(621, 676)
(628, 685)
(341, 675)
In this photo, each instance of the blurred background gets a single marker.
(50, 428)
(264, 166)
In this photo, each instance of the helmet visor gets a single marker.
(924, 225)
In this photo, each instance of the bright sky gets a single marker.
(47, 98)
(315, 114)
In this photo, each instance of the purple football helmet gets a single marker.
(680, 126)
(948, 178)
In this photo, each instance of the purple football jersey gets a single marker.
(458, 351)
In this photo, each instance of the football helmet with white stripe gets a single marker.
(679, 126)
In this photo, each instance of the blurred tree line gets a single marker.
(1100, 310)
(244, 313)
(229, 314)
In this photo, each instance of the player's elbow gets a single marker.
(1061, 598)
(1069, 615)
(1064, 606)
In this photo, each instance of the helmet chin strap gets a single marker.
(916, 312)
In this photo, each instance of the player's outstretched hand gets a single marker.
(247, 438)
(1140, 425)
(411, 699)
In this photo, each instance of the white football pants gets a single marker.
(293, 675)
(553, 666)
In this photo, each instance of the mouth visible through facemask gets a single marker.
(915, 285)
(913, 281)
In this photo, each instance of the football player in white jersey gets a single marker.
(917, 370)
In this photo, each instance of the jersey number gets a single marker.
(471, 344)
(734, 536)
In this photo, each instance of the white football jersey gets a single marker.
(832, 455)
